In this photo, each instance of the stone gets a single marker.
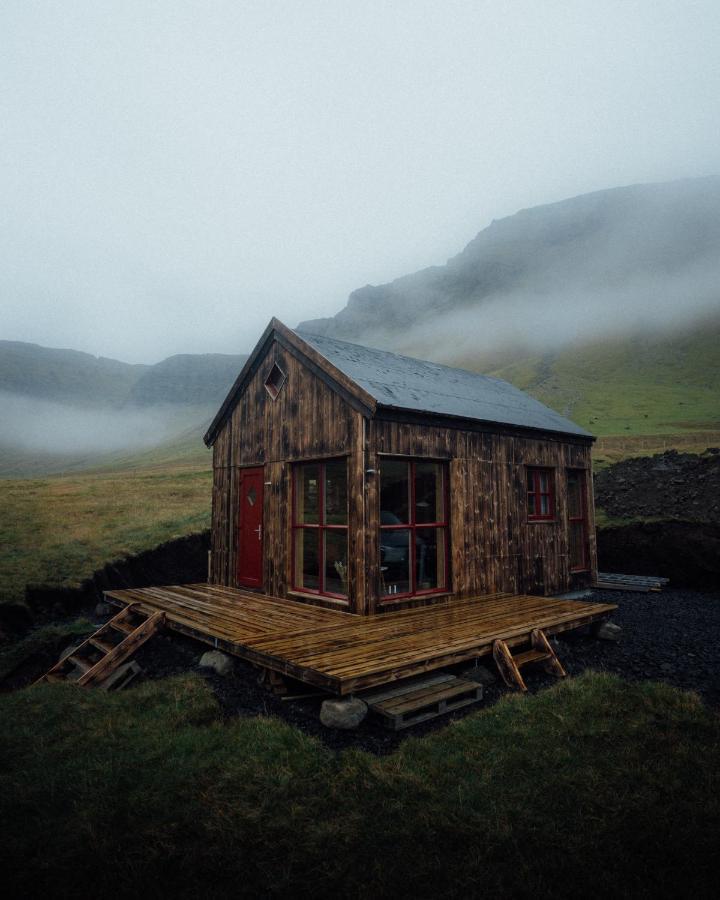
(609, 631)
(68, 651)
(481, 674)
(219, 662)
(103, 609)
(345, 714)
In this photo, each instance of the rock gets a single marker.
(344, 714)
(68, 651)
(609, 631)
(103, 609)
(481, 674)
(219, 662)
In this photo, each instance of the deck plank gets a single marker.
(344, 652)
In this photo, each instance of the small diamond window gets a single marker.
(275, 381)
(252, 496)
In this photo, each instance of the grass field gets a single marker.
(59, 529)
(593, 788)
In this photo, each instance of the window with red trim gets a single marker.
(320, 528)
(540, 494)
(413, 528)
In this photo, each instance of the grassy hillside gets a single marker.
(591, 788)
(628, 386)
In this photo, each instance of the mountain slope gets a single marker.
(657, 383)
(627, 241)
(67, 376)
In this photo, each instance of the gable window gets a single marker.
(320, 528)
(540, 494)
(275, 381)
(413, 528)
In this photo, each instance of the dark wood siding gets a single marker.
(493, 546)
(307, 420)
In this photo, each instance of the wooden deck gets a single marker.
(344, 653)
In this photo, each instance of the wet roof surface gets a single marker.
(402, 382)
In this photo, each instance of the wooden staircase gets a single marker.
(540, 651)
(109, 647)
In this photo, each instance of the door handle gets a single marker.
(259, 532)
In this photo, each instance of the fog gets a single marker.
(174, 173)
(523, 323)
(45, 427)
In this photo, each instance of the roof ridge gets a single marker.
(416, 359)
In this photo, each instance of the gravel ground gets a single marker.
(668, 636)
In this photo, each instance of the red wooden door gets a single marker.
(250, 529)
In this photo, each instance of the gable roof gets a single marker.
(371, 379)
(401, 382)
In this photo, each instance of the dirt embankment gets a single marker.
(181, 561)
(682, 491)
(671, 485)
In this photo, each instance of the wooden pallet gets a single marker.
(540, 651)
(409, 704)
(107, 649)
(611, 581)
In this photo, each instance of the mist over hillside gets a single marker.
(605, 306)
(638, 258)
(61, 408)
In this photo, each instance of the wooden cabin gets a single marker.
(365, 481)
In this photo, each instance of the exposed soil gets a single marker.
(668, 636)
(670, 485)
(688, 553)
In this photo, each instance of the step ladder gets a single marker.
(103, 652)
(540, 651)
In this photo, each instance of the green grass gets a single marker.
(593, 788)
(654, 384)
(59, 529)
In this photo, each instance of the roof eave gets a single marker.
(459, 421)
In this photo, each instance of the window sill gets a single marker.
(323, 599)
(413, 598)
(542, 521)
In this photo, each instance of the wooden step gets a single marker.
(406, 705)
(105, 646)
(509, 665)
(529, 656)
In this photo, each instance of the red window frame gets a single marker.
(320, 527)
(412, 526)
(535, 473)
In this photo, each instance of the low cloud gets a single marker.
(43, 426)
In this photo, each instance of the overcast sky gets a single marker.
(174, 173)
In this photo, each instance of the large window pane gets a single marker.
(395, 561)
(430, 561)
(336, 563)
(394, 493)
(307, 494)
(307, 558)
(429, 494)
(336, 493)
